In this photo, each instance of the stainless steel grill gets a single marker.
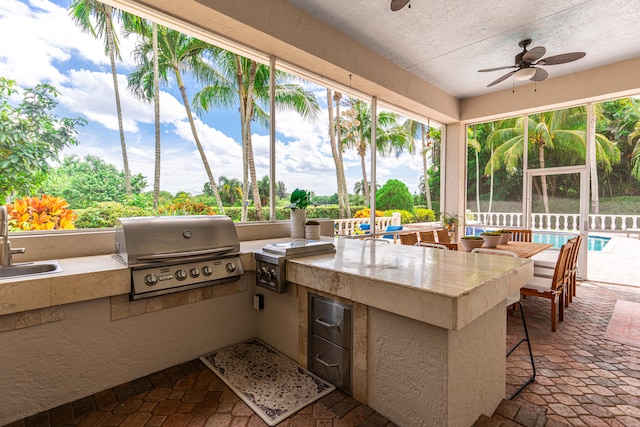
(175, 253)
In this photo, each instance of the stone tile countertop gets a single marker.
(445, 288)
(448, 289)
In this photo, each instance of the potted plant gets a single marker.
(469, 243)
(450, 222)
(491, 238)
(506, 236)
(312, 230)
(300, 200)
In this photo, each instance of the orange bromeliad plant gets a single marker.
(40, 213)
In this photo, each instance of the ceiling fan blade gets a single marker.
(561, 59)
(506, 76)
(534, 54)
(540, 75)
(398, 4)
(497, 68)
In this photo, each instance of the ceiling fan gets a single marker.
(398, 4)
(526, 67)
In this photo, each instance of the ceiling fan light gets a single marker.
(398, 4)
(524, 73)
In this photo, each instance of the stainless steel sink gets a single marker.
(30, 269)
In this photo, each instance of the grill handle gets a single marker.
(160, 257)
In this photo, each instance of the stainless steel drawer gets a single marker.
(331, 362)
(331, 320)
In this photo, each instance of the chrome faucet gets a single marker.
(5, 245)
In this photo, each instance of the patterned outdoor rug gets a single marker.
(271, 384)
(624, 326)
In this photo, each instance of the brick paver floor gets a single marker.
(582, 380)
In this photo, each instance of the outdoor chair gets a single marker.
(431, 245)
(513, 299)
(521, 235)
(427, 236)
(443, 239)
(391, 228)
(373, 239)
(409, 239)
(552, 288)
(546, 269)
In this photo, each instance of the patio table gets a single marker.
(524, 249)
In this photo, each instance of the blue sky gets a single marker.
(40, 43)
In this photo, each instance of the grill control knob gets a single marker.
(181, 274)
(194, 272)
(231, 267)
(272, 273)
(206, 270)
(151, 279)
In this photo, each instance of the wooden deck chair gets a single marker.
(521, 235)
(409, 239)
(443, 236)
(427, 236)
(552, 288)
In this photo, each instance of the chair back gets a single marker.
(427, 236)
(561, 272)
(493, 252)
(374, 240)
(391, 228)
(521, 235)
(409, 239)
(431, 245)
(443, 236)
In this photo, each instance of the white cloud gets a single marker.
(48, 47)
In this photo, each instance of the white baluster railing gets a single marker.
(348, 226)
(557, 222)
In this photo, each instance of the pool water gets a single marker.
(594, 243)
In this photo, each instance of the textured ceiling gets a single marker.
(445, 42)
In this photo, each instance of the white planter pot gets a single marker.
(312, 232)
(491, 241)
(298, 218)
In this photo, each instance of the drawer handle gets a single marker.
(327, 325)
(328, 365)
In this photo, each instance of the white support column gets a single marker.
(454, 173)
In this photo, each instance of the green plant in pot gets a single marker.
(300, 200)
(469, 243)
(491, 238)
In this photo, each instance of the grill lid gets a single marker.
(148, 240)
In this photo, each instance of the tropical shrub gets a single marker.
(186, 208)
(366, 213)
(40, 213)
(406, 217)
(104, 215)
(394, 194)
(424, 215)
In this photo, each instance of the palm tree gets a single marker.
(336, 152)
(475, 145)
(177, 53)
(141, 26)
(417, 129)
(232, 81)
(633, 116)
(230, 191)
(391, 136)
(82, 11)
(560, 132)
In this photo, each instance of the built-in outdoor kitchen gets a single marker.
(425, 329)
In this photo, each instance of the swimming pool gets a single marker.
(594, 243)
